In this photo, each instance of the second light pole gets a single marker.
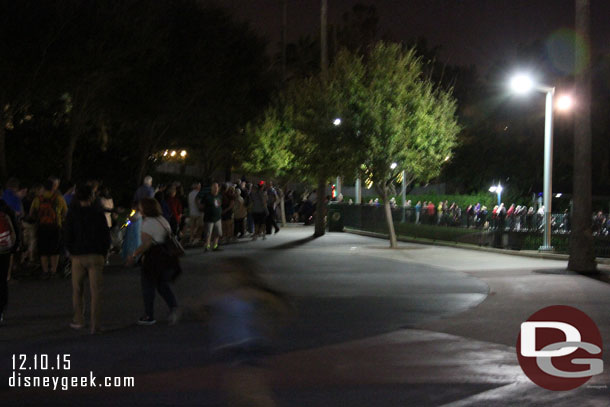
(523, 84)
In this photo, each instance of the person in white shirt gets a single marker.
(156, 275)
(195, 215)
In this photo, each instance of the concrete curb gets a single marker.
(532, 254)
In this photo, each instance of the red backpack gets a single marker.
(47, 215)
(7, 233)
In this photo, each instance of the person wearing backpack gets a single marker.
(49, 210)
(10, 239)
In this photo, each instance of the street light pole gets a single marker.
(338, 186)
(548, 169)
(404, 196)
(523, 84)
(497, 189)
(499, 192)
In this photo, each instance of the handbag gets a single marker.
(157, 264)
(172, 245)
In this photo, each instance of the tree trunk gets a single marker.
(3, 167)
(582, 255)
(283, 210)
(320, 224)
(320, 207)
(283, 201)
(69, 157)
(389, 220)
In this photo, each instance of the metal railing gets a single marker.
(517, 233)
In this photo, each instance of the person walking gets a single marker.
(158, 269)
(87, 239)
(212, 210)
(10, 239)
(245, 311)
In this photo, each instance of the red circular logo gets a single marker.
(560, 348)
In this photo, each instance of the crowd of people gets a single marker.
(79, 225)
(75, 231)
(515, 217)
(601, 224)
(217, 214)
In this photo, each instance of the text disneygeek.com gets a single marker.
(24, 365)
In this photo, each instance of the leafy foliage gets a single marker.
(403, 118)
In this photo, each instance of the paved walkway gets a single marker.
(421, 326)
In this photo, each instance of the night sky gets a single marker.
(469, 31)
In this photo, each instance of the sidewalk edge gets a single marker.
(548, 256)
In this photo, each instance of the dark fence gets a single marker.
(515, 234)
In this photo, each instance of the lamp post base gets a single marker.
(546, 249)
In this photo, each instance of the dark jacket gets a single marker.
(86, 231)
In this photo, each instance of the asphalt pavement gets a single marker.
(420, 325)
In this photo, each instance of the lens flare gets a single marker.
(567, 51)
(565, 103)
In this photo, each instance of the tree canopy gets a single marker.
(388, 112)
(112, 82)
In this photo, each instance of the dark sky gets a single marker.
(469, 31)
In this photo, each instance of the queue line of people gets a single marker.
(218, 214)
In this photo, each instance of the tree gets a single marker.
(404, 119)
(582, 256)
(270, 141)
(297, 135)
(389, 113)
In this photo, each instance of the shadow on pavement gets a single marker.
(293, 244)
(602, 276)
